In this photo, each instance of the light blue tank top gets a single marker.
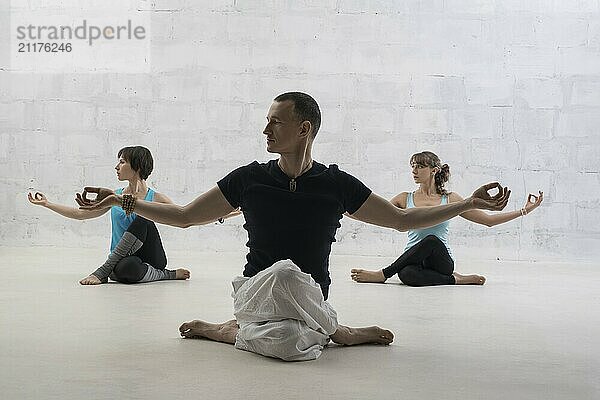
(120, 221)
(440, 230)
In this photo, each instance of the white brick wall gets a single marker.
(501, 90)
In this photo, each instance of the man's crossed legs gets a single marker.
(281, 313)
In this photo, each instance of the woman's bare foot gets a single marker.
(352, 336)
(182, 273)
(468, 279)
(90, 280)
(363, 275)
(225, 332)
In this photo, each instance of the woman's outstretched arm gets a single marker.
(483, 218)
(40, 199)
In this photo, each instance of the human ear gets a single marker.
(305, 127)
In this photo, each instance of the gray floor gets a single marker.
(532, 332)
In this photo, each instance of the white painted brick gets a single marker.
(489, 90)
(532, 123)
(340, 152)
(386, 7)
(128, 87)
(557, 217)
(558, 31)
(579, 123)
(578, 61)
(492, 153)
(24, 86)
(587, 157)
(36, 145)
(511, 29)
(478, 7)
(87, 87)
(179, 27)
(594, 34)
(132, 117)
(460, 32)
(66, 117)
(539, 92)
(481, 122)
(516, 6)
(5, 89)
(532, 60)
(438, 90)
(26, 116)
(5, 145)
(178, 117)
(176, 88)
(387, 153)
(576, 6)
(171, 55)
(364, 28)
(526, 182)
(546, 156)
(420, 121)
(586, 92)
(466, 180)
(379, 119)
(378, 181)
(91, 147)
(371, 89)
(11, 116)
(588, 220)
(568, 180)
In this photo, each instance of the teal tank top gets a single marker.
(440, 230)
(120, 222)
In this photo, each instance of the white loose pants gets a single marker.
(281, 313)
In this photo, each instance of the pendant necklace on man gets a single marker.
(293, 180)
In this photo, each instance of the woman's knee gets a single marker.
(433, 240)
(139, 227)
(129, 270)
(409, 276)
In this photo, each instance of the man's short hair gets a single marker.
(305, 108)
(140, 159)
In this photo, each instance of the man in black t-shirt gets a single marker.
(292, 208)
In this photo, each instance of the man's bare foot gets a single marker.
(468, 279)
(352, 336)
(181, 273)
(225, 332)
(90, 280)
(363, 275)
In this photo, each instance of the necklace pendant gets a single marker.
(293, 185)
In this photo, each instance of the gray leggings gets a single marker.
(133, 268)
(138, 257)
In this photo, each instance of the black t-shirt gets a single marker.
(298, 224)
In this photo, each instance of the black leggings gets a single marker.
(132, 268)
(427, 263)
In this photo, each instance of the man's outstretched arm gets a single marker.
(378, 211)
(206, 208)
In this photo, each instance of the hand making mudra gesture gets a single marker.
(106, 198)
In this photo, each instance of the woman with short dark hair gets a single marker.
(136, 251)
(427, 259)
